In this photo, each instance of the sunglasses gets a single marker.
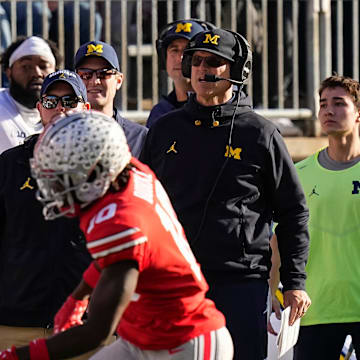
(87, 74)
(211, 61)
(67, 101)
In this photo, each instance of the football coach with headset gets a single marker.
(228, 174)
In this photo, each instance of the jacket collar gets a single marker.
(29, 145)
(219, 115)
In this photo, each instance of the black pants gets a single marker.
(325, 341)
(244, 305)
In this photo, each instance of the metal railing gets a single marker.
(295, 43)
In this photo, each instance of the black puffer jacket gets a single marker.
(41, 261)
(226, 197)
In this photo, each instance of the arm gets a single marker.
(73, 309)
(109, 301)
(298, 300)
(291, 214)
(274, 281)
(275, 266)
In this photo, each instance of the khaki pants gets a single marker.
(21, 336)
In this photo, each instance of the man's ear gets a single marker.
(8, 73)
(38, 106)
(119, 80)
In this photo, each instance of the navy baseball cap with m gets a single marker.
(217, 41)
(185, 29)
(99, 49)
(70, 78)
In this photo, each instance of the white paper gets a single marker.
(288, 335)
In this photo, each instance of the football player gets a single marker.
(149, 278)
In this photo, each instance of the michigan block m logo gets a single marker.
(186, 27)
(91, 48)
(234, 153)
(209, 39)
(356, 187)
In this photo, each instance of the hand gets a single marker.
(70, 314)
(299, 302)
(9, 354)
(276, 307)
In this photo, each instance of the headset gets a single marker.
(240, 69)
(167, 34)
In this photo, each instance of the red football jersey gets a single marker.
(139, 223)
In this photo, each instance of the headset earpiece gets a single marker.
(241, 68)
(160, 48)
(186, 65)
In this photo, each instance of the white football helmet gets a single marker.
(75, 160)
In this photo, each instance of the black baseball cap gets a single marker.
(69, 77)
(217, 41)
(185, 29)
(100, 49)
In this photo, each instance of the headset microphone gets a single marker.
(214, 78)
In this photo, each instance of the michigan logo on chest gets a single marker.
(231, 152)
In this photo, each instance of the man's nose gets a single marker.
(329, 110)
(36, 71)
(94, 78)
(60, 107)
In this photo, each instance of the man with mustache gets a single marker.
(27, 62)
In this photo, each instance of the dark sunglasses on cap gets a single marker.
(67, 101)
(87, 74)
(211, 61)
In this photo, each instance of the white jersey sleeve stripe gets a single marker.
(106, 252)
(111, 238)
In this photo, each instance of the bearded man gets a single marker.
(27, 61)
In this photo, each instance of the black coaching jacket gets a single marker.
(41, 262)
(227, 184)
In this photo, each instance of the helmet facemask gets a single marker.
(56, 194)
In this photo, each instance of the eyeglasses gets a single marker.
(87, 74)
(67, 101)
(211, 61)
